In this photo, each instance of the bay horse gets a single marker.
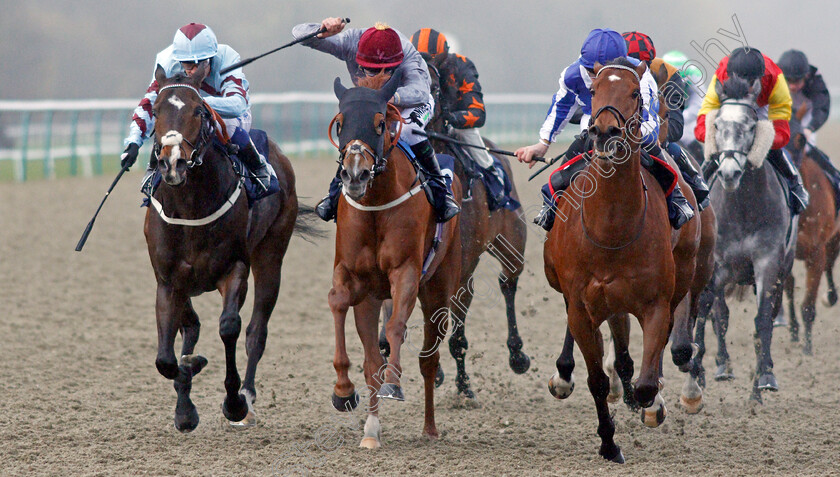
(500, 232)
(201, 237)
(756, 231)
(617, 253)
(385, 233)
(818, 226)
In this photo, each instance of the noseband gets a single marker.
(204, 134)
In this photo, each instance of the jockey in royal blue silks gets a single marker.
(601, 46)
(195, 51)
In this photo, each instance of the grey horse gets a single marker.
(756, 231)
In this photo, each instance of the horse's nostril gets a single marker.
(344, 175)
(365, 175)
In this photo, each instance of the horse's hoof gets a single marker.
(613, 398)
(780, 321)
(467, 393)
(794, 336)
(391, 391)
(615, 456)
(519, 362)
(370, 443)
(345, 404)
(431, 435)
(195, 362)
(251, 418)
(807, 349)
(724, 373)
(655, 415)
(235, 411)
(188, 421)
(559, 387)
(692, 405)
(830, 298)
(439, 377)
(767, 382)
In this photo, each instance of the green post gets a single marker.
(49, 167)
(97, 140)
(24, 145)
(74, 156)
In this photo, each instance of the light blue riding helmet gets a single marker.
(601, 46)
(194, 42)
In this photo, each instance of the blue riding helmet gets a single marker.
(194, 42)
(601, 46)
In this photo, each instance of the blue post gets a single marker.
(24, 145)
(97, 139)
(49, 167)
(74, 156)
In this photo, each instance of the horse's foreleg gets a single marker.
(591, 345)
(344, 398)
(655, 330)
(704, 306)
(519, 361)
(720, 324)
(404, 287)
(366, 315)
(790, 284)
(170, 309)
(458, 343)
(387, 311)
(623, 364)
(562, 383)
(832, 250)
(814, 267)
(768, 291)
(233, 289)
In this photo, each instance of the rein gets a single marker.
(640, 227)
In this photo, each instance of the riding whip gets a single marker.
(295, 42)
(90, 224)
(444, 137)
(549, 164)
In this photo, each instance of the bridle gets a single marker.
(733, 153)
(622, 121)
(380, 162)
(196, 157)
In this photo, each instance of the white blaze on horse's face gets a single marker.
(356, 173)
(734, 135)
(176, 101)
(171, 151)
(614, 78)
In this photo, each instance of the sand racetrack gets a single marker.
(81, 395)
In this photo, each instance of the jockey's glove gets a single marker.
(129, 156)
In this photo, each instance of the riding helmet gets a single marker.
(430, 41)
(194, 42)
(794, 65)
(640, 46)
(379, 47)
(747, 63)
(602, 45)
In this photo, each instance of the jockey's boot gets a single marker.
(147, 184)
(328, 207)
(442, 201)
(545, 219)
(798, 195)
(691, 175)
(680, 210)
(255, 162)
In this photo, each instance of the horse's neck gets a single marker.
(394, 181)
(206, 188)
(617, 186)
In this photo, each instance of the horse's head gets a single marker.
(616, 91)
(182, 126)
(736, 127)
(361, 126)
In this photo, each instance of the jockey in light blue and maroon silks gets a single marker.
(195, 51)
(601, 46)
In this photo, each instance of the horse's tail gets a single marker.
(306, 225)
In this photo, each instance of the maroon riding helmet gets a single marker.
(379, 47)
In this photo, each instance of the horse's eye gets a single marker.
(636, 94)
(592, 91)
(380, 128)
(198, 111)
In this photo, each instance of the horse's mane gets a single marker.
(736, 88)
(374, 82)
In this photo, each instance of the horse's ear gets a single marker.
(641, 68)
(661, 77)
(755, 88)
(160, 74)
(597, 67)
(387, 91)
(719, 90)
(338, 88)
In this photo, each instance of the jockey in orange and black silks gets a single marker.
(601, 46)
(773, 102)
(376, 50)
(195, 52)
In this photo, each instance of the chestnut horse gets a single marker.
(617, 253)
(500, 232)
(201, 237)
(818, 226)
(383, 249)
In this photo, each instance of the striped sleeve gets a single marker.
(142, 122)
(563, 106)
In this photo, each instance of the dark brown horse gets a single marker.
(500, 232)
(819, 230)
(615, 253)
(386, 231)
(203, 237)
